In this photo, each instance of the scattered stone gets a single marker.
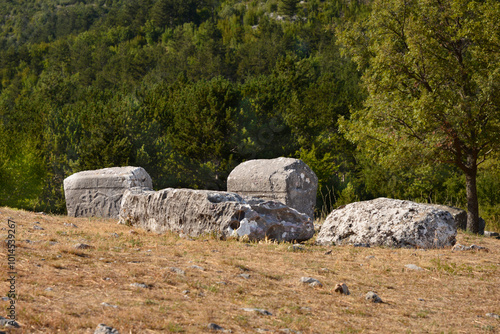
(8, 323)
(98, 193)
(49, 289)
(197, 267)
(311, 281)
(328, 252)
(36, 223)
(288, 330)
(103, 329)
(41, 213)
(296, 248)
(178, 271)
(373, 297)
(140, 285)
(215, 327)
(286, 180)
(108, 305)
(5, 299)
(258, 310)
(82, 246)
(70, 225)
(200, 212)
(222, 283)
(370, 257)
(362, 245)
(493, 315)
(491, 234)
(459, 247)
(245, 276)
(185, 292)
(342, 289)
(413, 267)
(421, 300)
(39, 228)
(305, 308)
(115, 235)
(389, 222)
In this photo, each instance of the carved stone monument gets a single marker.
(199, 212)
(98, 193)
(287, 180)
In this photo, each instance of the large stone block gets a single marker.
(389, 222)
(460, 217)
(289, 181)
(198, 212)
(98, 193)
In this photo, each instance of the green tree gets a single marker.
(288, 7)
(433, 79)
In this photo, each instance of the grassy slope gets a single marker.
(457, 288)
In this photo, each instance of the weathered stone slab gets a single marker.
(98, 193)
(389, 222)
(198, 212)
(460, 217)
(289, 181)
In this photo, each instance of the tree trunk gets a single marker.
(472, 202)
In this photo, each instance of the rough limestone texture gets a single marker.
(460, 217)
(198, 212)
(389, 222)
(289, 181)
(98, 193)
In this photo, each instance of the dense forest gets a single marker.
(188, 89)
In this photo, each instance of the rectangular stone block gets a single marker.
(98, 193)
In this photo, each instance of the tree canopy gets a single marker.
(432, 74)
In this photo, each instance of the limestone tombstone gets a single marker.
(98, 193)
(287, 180)
(389, 222)
(198, 212)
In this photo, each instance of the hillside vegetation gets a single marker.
(188, 89)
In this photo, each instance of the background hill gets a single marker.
(187, 90)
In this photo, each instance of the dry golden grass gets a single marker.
(452, 295)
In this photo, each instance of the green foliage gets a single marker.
(432, 73)
(288, 7)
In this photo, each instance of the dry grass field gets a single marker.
(62, 289)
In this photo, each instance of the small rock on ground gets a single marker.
(311, 281)
(104, 329)
(70, 225)
(459, 247)
(413, 267)
(493, 315)
(288, 330)
(140, 285)
(178, 271)
(82, 246)
(108, 305)
(36, 227)
(491, 234)
(8, 323)
(342, 288)
(215, 327)
(197, 267)
(296, 248)
(258, 310)
(245, 276)
(373, 297)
